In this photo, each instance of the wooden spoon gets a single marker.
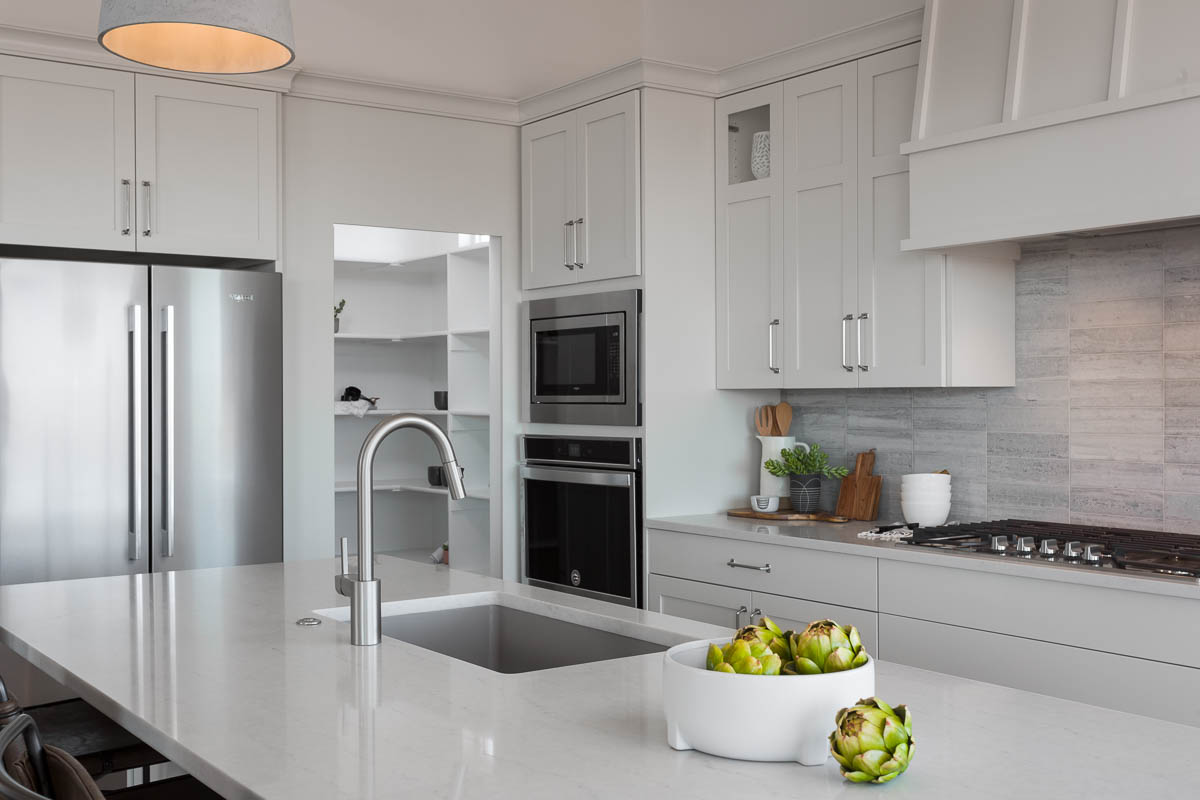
(783, 419)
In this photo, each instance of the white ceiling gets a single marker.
(514, 49)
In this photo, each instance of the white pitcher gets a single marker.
(768, 484)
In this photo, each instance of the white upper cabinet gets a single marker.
(108, 160)
(821, 228)
(750, 302)
(580, 195)
(823, 292)
(206, 169)
(66, 155)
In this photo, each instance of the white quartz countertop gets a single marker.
(209, 668)
(843, 538)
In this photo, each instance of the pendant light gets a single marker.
(213, 36)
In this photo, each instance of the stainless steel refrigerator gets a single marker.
(140, 424)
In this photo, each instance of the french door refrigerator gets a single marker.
(140, 425)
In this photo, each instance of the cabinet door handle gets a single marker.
(737, 616)
(579, 262)
(845, 327)
(763, 568)
(771, 346)
(570, 233)
(566, 247)
(127, 205)
(861, 364)
(146, 198)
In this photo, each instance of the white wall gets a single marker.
(366, 166)
(700, 451)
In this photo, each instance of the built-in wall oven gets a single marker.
(581, 516)
(582, 361)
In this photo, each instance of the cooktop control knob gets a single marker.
(1072, 550)
(999, 544)
(1093, 552)
(1024, 544)
(1048, 547)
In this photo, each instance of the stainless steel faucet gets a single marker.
(363, 591)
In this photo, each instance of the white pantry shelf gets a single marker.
(465, 412)
(391, 412)
(418, 554)
(392, 338)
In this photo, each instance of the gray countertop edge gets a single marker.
(843, 538)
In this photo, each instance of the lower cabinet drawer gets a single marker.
(816, 575)
(790, 613)
(1165, 691)
(702, 602)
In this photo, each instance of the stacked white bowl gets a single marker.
(925, 498)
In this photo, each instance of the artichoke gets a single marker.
(753, 651)
(825, 646)
(873, 742)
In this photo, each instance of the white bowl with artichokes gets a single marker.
(717, 701)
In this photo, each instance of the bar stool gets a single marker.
(32, 766)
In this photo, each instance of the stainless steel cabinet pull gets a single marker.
(127, 205)
(568, 234)
(771, 346)
(861, 317)
(168, 345)
(737, 616)
(579, 262)
(146, 198)
(757, 612)
(845, 326)
(573, 262)
(136, 394)
(763, 568)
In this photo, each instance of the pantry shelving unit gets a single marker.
(410, 328)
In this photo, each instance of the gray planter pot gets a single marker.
(337, 325)
(805, 491)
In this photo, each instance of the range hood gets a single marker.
(1042, 117)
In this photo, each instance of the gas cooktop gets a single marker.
(1175, 555)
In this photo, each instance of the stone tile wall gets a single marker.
(1103, 425)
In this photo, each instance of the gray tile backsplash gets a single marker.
(1103, 426)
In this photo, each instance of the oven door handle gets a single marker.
(589, 477)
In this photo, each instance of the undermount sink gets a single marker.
(505, 639)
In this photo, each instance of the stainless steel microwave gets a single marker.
(582, 360)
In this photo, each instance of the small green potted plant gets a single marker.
(804, 466)
(337, 311)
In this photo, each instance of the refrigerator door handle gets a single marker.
(168, 344)
(137, 393)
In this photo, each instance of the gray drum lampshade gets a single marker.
(213, 36)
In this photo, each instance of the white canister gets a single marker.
(768, 484)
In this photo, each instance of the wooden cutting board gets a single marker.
(859, 496)
(785, 516)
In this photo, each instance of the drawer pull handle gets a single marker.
(737, 616)
(763, 568)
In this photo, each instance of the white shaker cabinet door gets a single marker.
(821, 229)
(548, 202)
(206, 169)
(901, 294)
(608, 209)
(750, 335)
(702, 602)
(66, 155)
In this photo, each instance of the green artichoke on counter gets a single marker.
(872, 742)
(825, 646)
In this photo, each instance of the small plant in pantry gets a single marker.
(799, 461)
(339, 308)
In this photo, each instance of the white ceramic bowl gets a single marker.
(925, 495)
(752, 717)
(924, 480)
(927, 515)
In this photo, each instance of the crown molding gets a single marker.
(640, 73)
(837, 48)
(51, 46)
(395, 97)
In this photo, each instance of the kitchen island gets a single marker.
(210, 668)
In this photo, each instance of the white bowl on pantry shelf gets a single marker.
(927, 515)
(755, 717)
